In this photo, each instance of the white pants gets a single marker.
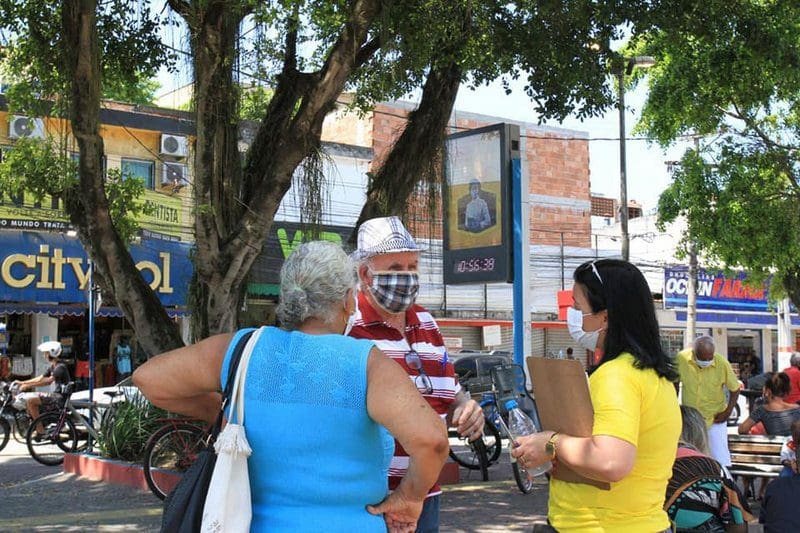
(718, 442)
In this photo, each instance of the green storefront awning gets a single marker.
(263, 289)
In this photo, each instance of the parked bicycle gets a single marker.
(67, 430)
(506, 379)
(170, 451)
(14, 419)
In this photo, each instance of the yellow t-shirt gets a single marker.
(702, 388)
(639, 407)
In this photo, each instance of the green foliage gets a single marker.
(42, 168)
(34, 58)
(124, 433)
(39, 167)
(255, 102)
(123, 193)
(141, 91)
(729, 72)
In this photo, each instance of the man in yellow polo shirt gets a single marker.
(704, 376)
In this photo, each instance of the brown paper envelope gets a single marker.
(562, 398)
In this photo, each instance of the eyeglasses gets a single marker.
(422, 381)
(596, 272)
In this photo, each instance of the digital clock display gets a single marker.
(486, 264)
(477, 234)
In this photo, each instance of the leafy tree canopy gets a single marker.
(728, 72)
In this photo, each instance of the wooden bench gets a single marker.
(755, 455)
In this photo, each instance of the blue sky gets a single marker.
(646, 163)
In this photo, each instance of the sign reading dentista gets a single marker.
(47, 267)
(715, 291)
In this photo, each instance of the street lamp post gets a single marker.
(626, 68)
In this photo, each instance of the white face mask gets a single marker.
(703, 364)
(351, 320)
(585, 339)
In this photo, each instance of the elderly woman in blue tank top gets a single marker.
(318, 405)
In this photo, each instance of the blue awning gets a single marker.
(69, 310)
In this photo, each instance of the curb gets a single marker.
(112, 471)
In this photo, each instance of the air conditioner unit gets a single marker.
(174, 145)
(21, 127)
(174, 174)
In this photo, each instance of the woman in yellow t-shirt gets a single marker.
(637, 420)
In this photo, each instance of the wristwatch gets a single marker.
(550, 446)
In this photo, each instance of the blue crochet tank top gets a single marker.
(318, 458)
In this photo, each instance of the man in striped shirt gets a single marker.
(388, 271)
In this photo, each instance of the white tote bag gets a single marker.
(228, 505)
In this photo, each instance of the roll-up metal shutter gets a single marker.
(537, 342)
(470, 335)
(507, 338)
(558, 339)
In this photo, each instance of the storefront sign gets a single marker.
(714, 291)
(45, 267)
(283, 238)
(164, 214)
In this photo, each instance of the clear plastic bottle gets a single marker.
(520, 424)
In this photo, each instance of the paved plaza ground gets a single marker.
(40, 498)
(44, 499)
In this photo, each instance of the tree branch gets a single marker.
(181, 7)
(367, 51)
(290, 55)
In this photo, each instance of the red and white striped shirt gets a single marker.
(423, 336)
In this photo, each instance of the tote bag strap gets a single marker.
(226, 394)
(237, 397)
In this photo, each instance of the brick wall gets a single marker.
(557, 169)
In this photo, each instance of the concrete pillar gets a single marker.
(785, 338)
(768, 358)
(43, 329)
(720, 336)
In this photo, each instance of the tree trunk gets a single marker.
(417, 154)
(88, 206)
(234, 206)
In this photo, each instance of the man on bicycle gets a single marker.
(57, 375)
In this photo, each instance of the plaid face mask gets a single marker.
(395, 291)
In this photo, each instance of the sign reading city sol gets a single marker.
(46, 267)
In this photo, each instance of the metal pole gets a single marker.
(485, 300)
(91, 350)
(691, 286)
(562, 260)
(623, 184)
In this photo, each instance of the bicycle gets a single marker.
(505, 379)
(170, 451)
(67, 430)
(14, 419)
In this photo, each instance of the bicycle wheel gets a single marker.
(469, 457)
(22, 423)
(523, 478)
(58, 439)
(5, 432)
(169, 452)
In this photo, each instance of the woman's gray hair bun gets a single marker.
(315, 279)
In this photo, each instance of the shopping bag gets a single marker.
(228, 506)
(183, 507)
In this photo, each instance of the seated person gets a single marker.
(779, 509)
(701, 494)
(789, 452)
(57, 375)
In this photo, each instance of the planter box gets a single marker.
(132, 475)
(112, 471)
